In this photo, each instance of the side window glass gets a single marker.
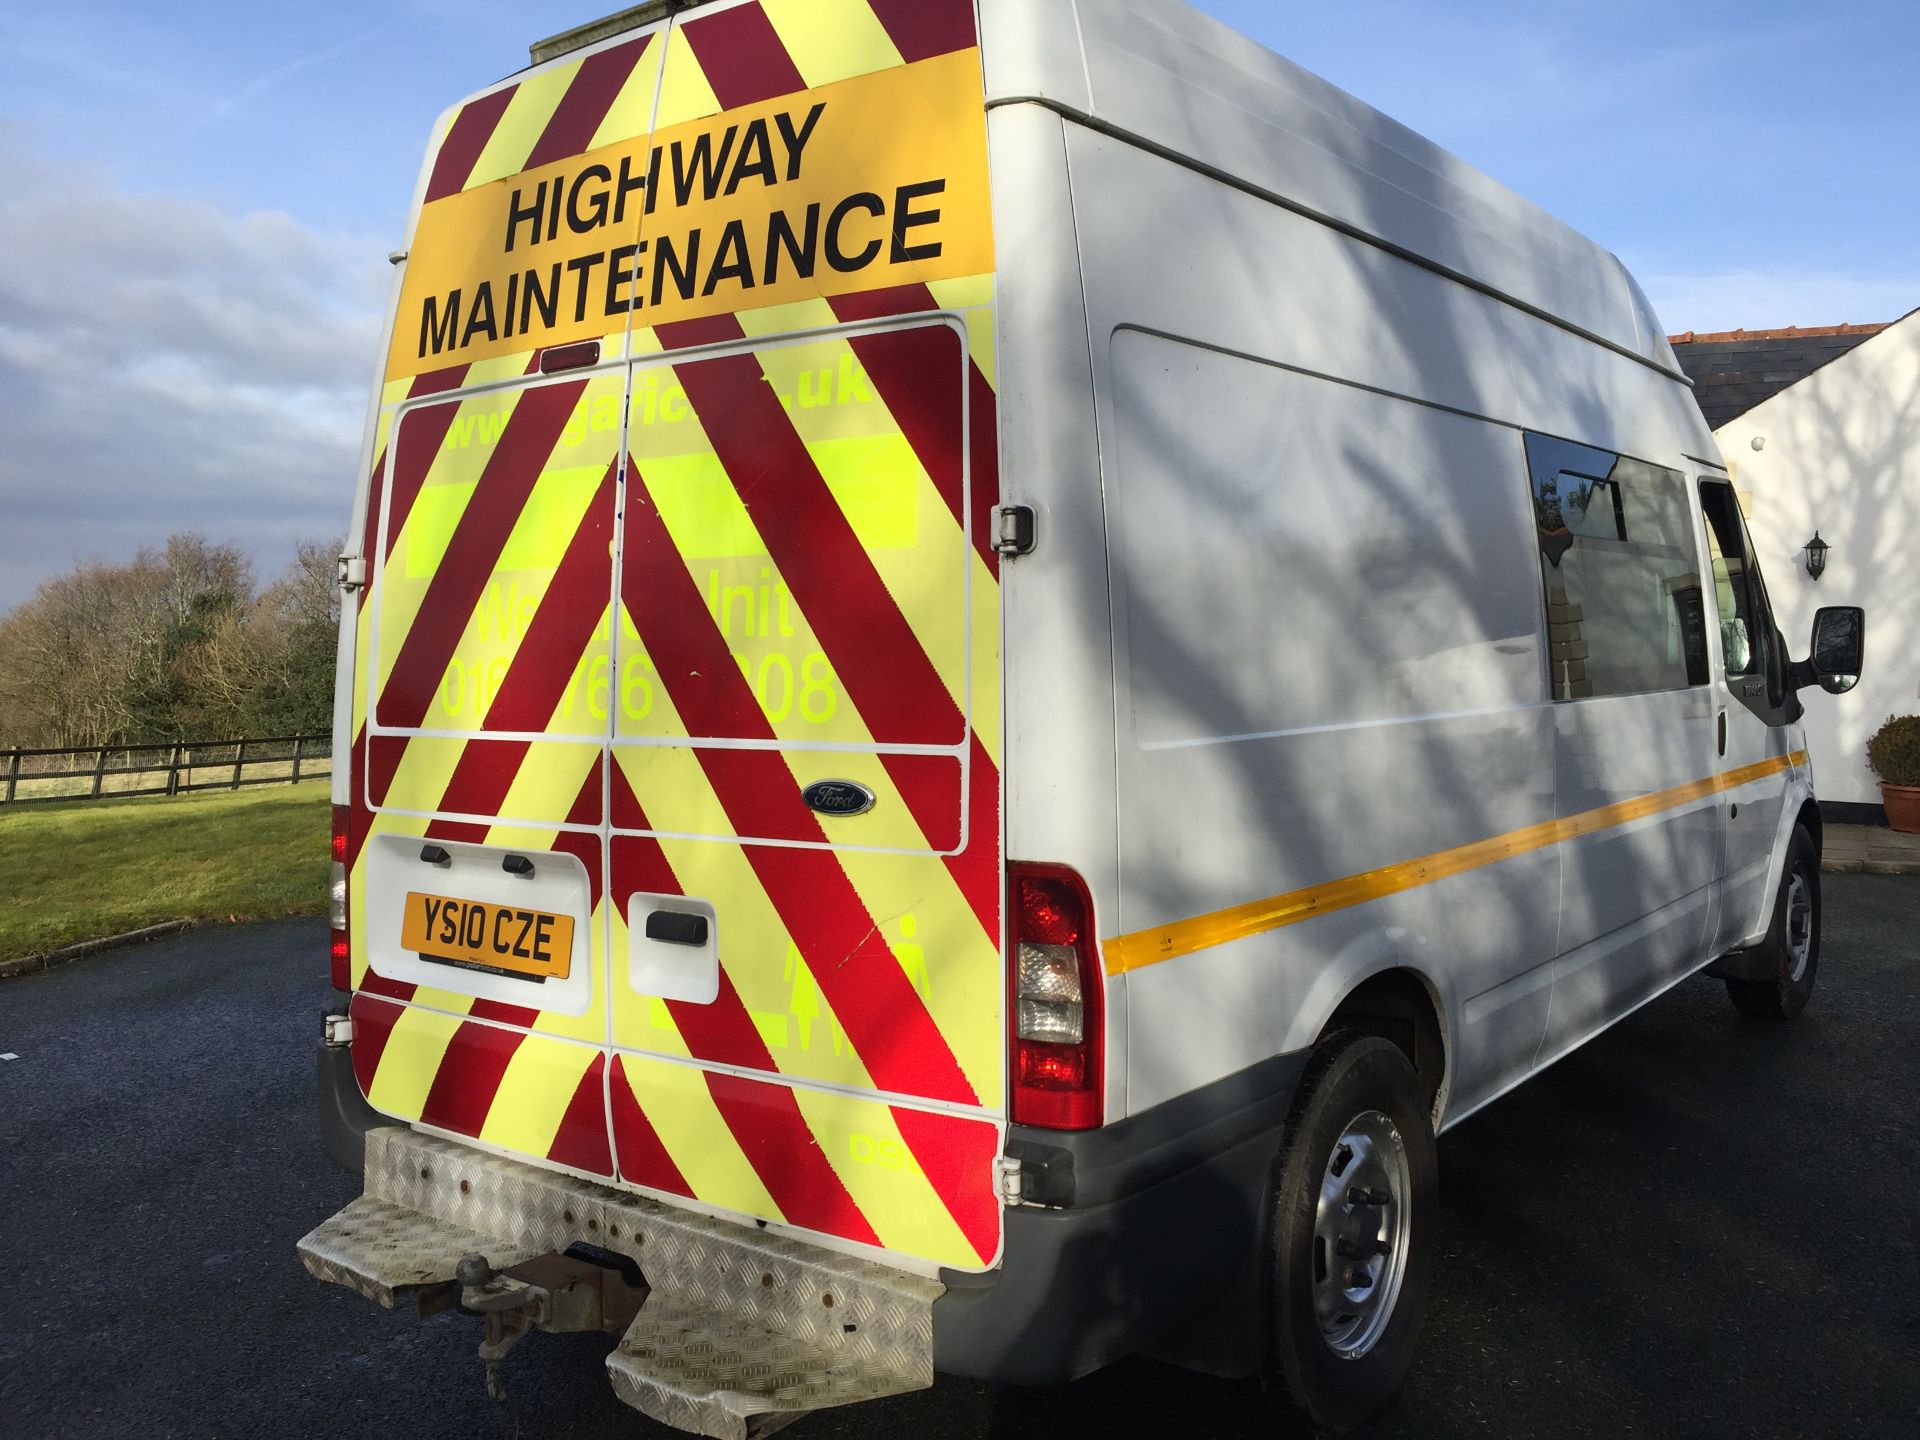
(1733, 596)
(1626, 613)
(1746, 618)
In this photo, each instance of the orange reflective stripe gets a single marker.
(1185, 937)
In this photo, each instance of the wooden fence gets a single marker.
(118, 772)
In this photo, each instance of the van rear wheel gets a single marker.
(1353, 1195)
(1792, 946)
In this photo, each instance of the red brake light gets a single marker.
(339, 949)
(1056, 989)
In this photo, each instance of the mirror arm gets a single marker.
(1801, 674)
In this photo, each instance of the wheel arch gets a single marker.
(1403, 1006)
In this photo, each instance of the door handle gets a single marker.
(1723, 733)
(676, 927)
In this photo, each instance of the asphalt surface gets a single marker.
(1700, 1225)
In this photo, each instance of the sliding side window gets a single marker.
(1625, 610)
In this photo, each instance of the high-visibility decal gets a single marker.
(461, 577)
(468, 1076)
(694, 1137)
(884, 1176)
(685, 92)
(423, 432)
(900, 363)
(551, 771)
(793, 1022)
(601, 78)
(404, 775)
(630, 116)
(924, 28)
(563, 625)
(775, 1138)
(1186, 937)
(372, 1024)
(520, 126)
(830, 40)
(885, 1020)
(743, 57)
(582, 1140)
(518, 1016)
(469, 134)
(957, 1157)
(867, 639)
(642, 1157)
(534, 1093)
(410, 1063)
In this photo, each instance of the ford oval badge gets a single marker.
(838, 798)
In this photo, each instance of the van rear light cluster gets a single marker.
(337, 904)
(1056, 1015)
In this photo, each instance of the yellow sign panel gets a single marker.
(472, 934)
(869, 183)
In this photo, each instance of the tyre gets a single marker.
(1350, 1252)
(1792, 946)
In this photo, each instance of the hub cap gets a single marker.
(1799, 926)
(1361, 1227)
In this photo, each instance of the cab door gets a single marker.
(1755, 711)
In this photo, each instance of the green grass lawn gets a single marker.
(80, 871)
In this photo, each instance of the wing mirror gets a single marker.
(1839, 638)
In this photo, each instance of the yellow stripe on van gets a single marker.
(1186, 937)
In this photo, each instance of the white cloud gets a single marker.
(1773, 299)
(165, 365)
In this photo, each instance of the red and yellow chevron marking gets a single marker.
(806, 585)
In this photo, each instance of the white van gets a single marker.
(994, 656)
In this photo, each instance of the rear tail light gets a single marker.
(1056, 1015)
(337, 903)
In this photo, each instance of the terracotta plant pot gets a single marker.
(1903, 807)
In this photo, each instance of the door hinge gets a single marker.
(1012, 1178)
(351, 571)
(1014, 530)
(336, 1031)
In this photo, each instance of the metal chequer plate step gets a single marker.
(730, 1379)
(741, 1330)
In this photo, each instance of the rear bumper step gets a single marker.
(741, 1330)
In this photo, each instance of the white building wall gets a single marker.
(1842, 455)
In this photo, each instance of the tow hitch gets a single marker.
(585, 1289)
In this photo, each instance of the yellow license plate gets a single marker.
(477, 936)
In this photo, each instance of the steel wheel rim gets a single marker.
(1361, 1227)
(1799, 927)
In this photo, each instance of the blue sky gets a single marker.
(210, 190)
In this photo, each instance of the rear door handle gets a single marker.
(1723, 732)
(676, 927)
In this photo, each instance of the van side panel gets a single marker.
(1310, 709)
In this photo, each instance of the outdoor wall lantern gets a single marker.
(1816, 549)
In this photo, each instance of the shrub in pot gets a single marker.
(1894, 755)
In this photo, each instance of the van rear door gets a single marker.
(710, 638)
